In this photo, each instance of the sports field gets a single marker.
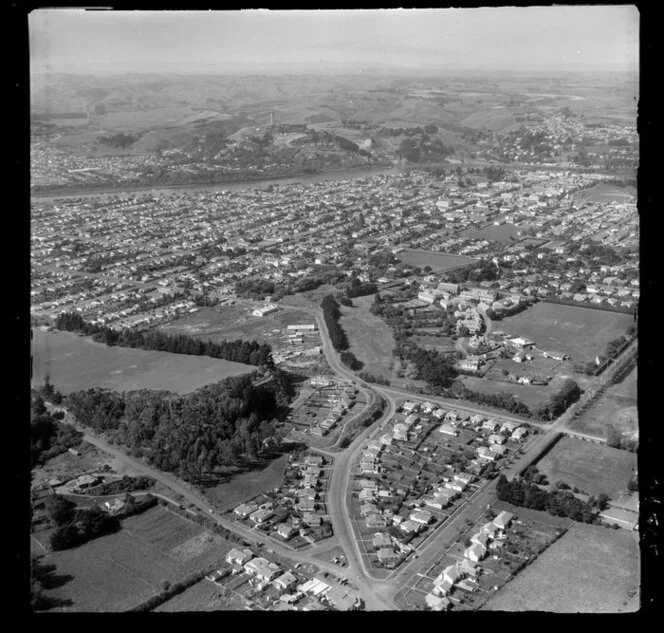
(438, 262)
(580, 332)
(590, 569)
(75, 362)
(119, 571)
(608, 193)
(593, 468)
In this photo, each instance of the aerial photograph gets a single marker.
(334, 310)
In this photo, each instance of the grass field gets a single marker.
(530, 395)
(75, 362)
(439, 262)
(616, 407)
(247, 485)
(589, 570)
(369, 337)
(593, 468)
(580, 332)
(119, 571)
(236, 321)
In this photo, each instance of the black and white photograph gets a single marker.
(334, 310)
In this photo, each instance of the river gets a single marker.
(333, 176)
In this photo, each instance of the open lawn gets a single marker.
(589, 570)
(439, 262)
(593, 468)
(370, 338)
(75, 362)
(580, 332)
(530, 395)
(244, 486)
(616, 407)
(119, 571)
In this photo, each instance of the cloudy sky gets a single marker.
(530, 38)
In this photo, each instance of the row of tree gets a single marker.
(559, 402)
(331, 314)
(358, 289)
(248, 352)
(197, 435)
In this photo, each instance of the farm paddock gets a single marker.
(593, 468)
(588, 570)
(121, 570)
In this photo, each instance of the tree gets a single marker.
(61, 510)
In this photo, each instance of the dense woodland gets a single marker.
(558, 501)
(196, 435)
(248, 352)
(48, 436)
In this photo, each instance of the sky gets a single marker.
(507, 38)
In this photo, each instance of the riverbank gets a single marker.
(333, 175)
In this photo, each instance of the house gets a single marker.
(239, 557)
(519, 433)
(496, 439)
(503, 519)
(114, 507)
(490, 529)
(409, 407)
(498, 449)
(442, 588)
(260, 516)
(306, 505)
(368, 508)
(311, 519)
(448, 429)
(262, 569)
(490, 425)
(286, 581)
(480, 538)
(246, 509)
(376, 521)
(465, 478)
(285, 531)
(313, 460)
(381, 539)
(410, 526)
(387, 555)
(476, 552)
(421, 516)
(367, 495)
(436, 603)
(450, 574)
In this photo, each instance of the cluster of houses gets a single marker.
(331, 402)
(275, 236)
(294, 510)
(463, 573)
(288, 589)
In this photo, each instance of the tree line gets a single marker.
(248, 352)
(197, 435)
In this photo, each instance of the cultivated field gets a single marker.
(369, 337)
(616, 407)
(119, 571)
(203, 596)
(438, 262)
(74, 362)
(500, 233)
(247, 485)
(580, 332)
(589, 570)
(593, 468)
